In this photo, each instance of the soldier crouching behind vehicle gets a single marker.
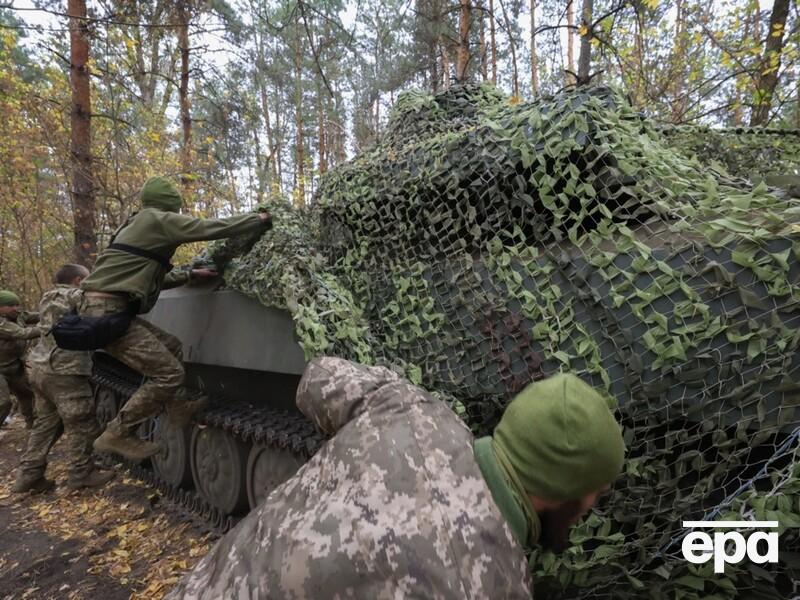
(128, 277)
(64, 402)
(402, 502)
(14, 339)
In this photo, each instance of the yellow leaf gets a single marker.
(583, 30)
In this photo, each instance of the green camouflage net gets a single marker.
(770, 155)
(482, 244)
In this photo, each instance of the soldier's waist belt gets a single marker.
(112, 295)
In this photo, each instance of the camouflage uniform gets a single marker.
(64, 402)
(14, 338)
(394, 506)
(149, 350)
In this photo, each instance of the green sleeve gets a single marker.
(176, 278)
(13, 331)
(183, 228)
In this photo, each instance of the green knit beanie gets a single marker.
(161, 193)
(561, 438)
(8, 298)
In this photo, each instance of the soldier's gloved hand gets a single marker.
(203, 274)
(265, 217)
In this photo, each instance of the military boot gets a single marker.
(35, 484)
(181, 410)
(92, 479)
(116, 439)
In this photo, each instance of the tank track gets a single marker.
(277, 429)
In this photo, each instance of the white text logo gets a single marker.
(699, 547)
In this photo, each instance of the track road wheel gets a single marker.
(172, 464)
(267, 468)
(218, 468)
(106, 405)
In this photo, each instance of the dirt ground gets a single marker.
(123, 541)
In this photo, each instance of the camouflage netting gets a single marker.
(755, 154)
(483, 244)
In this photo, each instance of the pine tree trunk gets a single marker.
(85, 245)
(585, 57)
(445, 63)
(493, 41)
(569, 77)
(484, 63)
(300, 184)
(186, 119)
(463, 42)
(678, 63)
(770, 64)
(513, 45)
(265, 113)
(323, 158)
(534, 60)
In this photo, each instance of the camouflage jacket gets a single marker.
(393, 506)
(46, 354)
(14, 337)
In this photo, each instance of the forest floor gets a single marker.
(123, 541)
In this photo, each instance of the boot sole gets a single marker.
(81, 486)
(109, 449)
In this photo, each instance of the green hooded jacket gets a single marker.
(159, 228)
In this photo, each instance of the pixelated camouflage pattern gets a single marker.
(393, 506)
(13, 380)
(46, 354)
(149, 350)
(14, 340)
(64, 404)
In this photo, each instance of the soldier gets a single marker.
(403, 503)
(128, 276)
(14, 336)
(64, 402)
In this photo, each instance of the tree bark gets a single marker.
(770, 64)
(678, 65)
(493, 41)
(569, 78)
(514, 70)
(300, 183)
(484, 62)
(445, 63)
(85, 245)
(183, 92)
(463, 42)
(585, 57)
(534, 58)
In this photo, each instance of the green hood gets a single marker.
(8, 298)
(561, 439)
(161, 193)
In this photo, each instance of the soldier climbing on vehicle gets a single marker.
(128, 277)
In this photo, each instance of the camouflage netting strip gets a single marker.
(771, 155)
(484, 244)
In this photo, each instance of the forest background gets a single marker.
(245, 100)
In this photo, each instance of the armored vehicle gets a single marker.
(252, 438)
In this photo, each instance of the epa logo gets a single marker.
(699, 547)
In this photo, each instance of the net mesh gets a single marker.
(482, 244)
